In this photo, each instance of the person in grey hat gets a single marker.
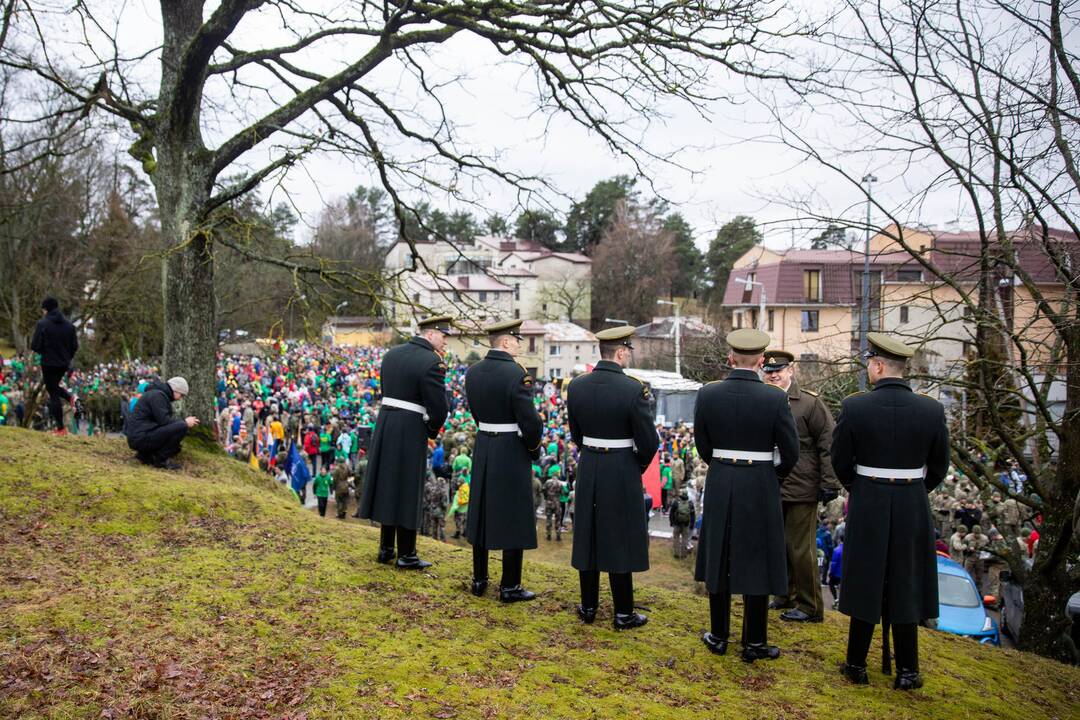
(152, 431)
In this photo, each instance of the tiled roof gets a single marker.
(567, 332)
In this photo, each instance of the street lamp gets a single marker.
(678, 364)
(340, 305)
(864, 312)
(616, 320)
(748, 285)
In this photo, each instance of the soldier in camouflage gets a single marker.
(340, 474)
(552, 492)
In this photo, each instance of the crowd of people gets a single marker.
(324, 401)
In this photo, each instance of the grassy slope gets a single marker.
(129, 592)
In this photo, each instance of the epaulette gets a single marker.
(527, 380)
(810, 392)
(713, 382)
(857, 392)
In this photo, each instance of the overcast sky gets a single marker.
(734, 165)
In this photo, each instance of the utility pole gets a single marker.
(864, 312)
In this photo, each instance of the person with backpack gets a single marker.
(682, 519)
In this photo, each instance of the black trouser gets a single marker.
(663, 499)
(161, 443)
(322, 505)
(755, 617)
(622, 590)
(905, 642)
(57, 394)
(406, 539)
(512, 561)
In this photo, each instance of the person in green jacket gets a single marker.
(321, 486)
(326, 447)
(665, 483)
(463, 462)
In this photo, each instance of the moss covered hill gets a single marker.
(132, 592)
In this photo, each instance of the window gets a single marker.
(483, 296)
(517, 291)
(543, 308)
(812, 285)
(555, 350)
(810, 320)
(416, 297)
(909, 275)
(903, 314)
(532, 344)
(556, 372)
(517, 314)
(476, 342)
(772, 318)
(748, 290)
(738, 320)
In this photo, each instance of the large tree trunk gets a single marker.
(18, 339)
(183, 178)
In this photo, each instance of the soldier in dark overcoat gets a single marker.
(501, 511)
(612, 421)
(413, 409)
(890, 448)
(741, 426)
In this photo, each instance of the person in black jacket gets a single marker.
(57, 342)
(890, 448)
(152, 431)
(502, 515)
(611, 420)
(413, 409)
(744, 429)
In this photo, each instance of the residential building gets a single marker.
(569, 350)
(812, 298)
(654, 342)
(471, 343)
(491, 278)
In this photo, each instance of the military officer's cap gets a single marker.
(442, 323)
(505, 327)
(777, 360)
(883, 345)
(617, 335)
(747, 341)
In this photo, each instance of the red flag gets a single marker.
(651, 478)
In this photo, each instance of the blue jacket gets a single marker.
(837, 563)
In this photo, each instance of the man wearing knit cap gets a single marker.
(56, 341)
(152, 430)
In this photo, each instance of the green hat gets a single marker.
(505, 327)
(748, 341)
(977, 529)
(442, 323)
(617, 335)
(887, 347)
(777, 360)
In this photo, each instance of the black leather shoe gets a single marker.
(386, 554)
(797, 615)
(856, 674)
(412, 562)
(479, 587)
(629, 620)
(167, 465)
(907, 680)
(781, 605)
(515, 594)
(759, 651)
(715, 644)
(587, 615)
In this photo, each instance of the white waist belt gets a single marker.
(608, 444)
(500, 427)
(745, 455)
(405, 405)
(897, 473)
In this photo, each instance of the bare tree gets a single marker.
(566, 298)
(632, 266)
(979, 100)
(603, 64)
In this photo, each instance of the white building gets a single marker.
(492, 278)
(568, 349)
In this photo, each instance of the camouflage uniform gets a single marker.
(552, 493)
(682, 519)
(976, 542)
(341, 489)
(438, 508)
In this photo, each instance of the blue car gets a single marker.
(960, 606)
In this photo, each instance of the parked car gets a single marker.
(960, 606)
(1012, 609)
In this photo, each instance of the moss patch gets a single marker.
(133, 592)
